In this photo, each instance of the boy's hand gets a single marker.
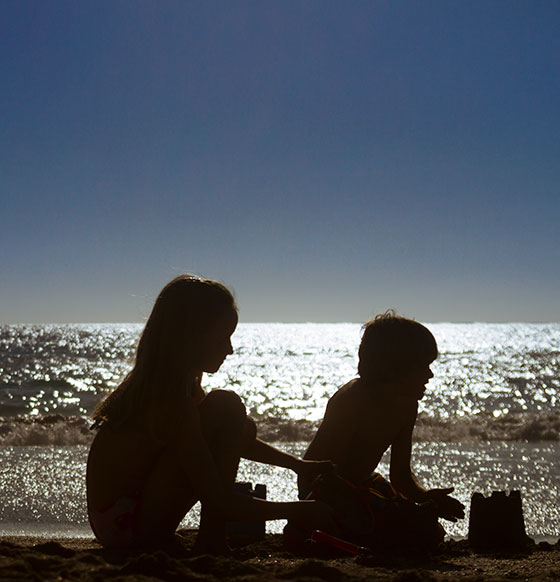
(308, 470)
(448, 507)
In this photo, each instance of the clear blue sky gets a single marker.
(326, 160)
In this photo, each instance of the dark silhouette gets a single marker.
(363, 419)
(162, 443)
(496, 522)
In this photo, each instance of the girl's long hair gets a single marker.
(163, 370)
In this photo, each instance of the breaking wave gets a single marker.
(529, 427)
(63, 431)
(52, 430)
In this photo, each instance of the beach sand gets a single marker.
(38, 559)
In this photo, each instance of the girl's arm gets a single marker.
(201, 470)
(262, 452)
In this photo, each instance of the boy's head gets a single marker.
(393, 346)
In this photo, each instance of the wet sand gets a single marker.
(37, 559)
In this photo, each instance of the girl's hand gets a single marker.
(308, 470)
(447, 507)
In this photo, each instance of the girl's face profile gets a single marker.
(215, 343)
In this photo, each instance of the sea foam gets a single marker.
(63, 431)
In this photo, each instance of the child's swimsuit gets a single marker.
(116, 526)
(374, 512)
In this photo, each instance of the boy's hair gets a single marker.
(393, 345)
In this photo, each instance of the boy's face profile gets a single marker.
(397, 351)
(412, 384)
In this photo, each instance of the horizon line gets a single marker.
(275, 322)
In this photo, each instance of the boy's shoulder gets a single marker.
(353, 393)
(358, 395)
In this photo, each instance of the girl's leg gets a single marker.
(168, 495)
(227, 430)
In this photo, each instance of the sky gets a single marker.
(325, 160)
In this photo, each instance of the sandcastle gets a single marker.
(497, 521)
(249, 529)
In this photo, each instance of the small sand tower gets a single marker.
(248, 529)
(496, 522)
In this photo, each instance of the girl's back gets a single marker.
(118, 464)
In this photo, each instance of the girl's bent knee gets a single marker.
(249, 432)
(224, 406)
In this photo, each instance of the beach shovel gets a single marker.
(335, 543)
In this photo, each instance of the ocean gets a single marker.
(489, 419)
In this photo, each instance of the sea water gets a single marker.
(489, 419)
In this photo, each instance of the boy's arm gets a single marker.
(401, 474)
(405, 482)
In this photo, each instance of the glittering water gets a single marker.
(287, 372)
(43, 488)
(489, 419)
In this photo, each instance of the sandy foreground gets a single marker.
(39, 559)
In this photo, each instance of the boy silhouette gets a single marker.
(368, 415)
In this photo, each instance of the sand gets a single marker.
(39, 559)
